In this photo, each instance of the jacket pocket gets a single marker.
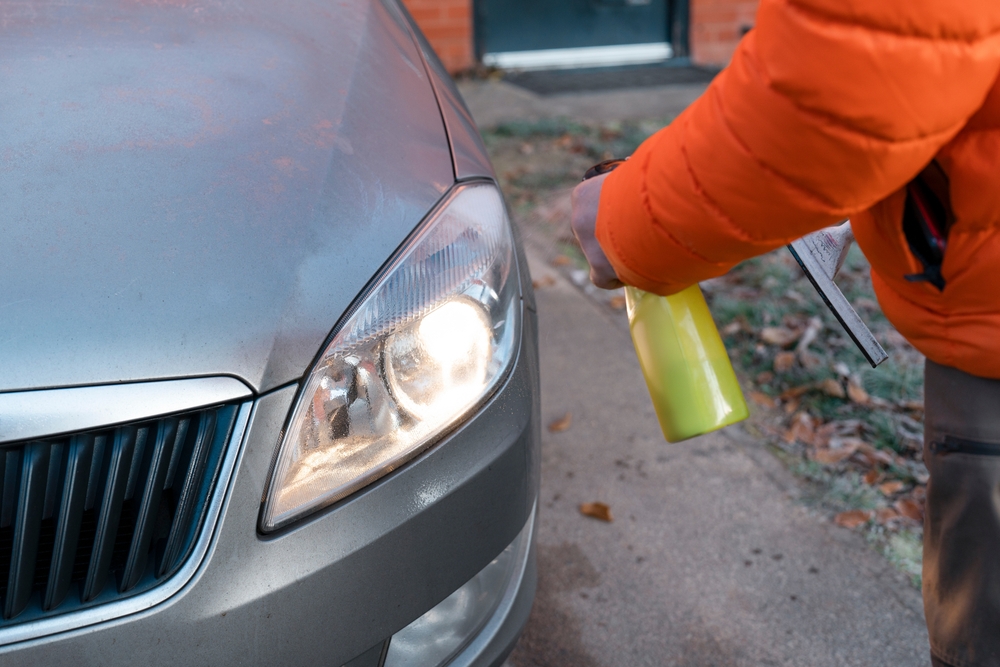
(953, 445)
(927, 218)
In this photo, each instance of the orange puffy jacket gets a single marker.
(828, 109)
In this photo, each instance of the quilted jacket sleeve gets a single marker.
(828, 107)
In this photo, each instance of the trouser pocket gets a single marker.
(954, 445)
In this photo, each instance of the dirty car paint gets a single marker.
(195, 188)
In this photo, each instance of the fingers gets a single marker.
(583, 222)
(604, 281)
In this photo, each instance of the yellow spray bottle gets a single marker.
(688, 373)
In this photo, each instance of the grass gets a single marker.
(837, 492)
(905, 551)
(894, 381)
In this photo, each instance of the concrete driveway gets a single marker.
(710, 559)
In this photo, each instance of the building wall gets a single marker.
(716, 28)
(448, 27)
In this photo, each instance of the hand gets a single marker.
(584, 221)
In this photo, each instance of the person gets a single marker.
(887, 113)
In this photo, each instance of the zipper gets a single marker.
(953, 445)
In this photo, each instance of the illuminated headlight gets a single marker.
(425, 346)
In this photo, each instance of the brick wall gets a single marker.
(448, 27)
(716, 28)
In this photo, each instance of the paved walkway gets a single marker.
(710, 559)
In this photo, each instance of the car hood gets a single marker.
(201, 188)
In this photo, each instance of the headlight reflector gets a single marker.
(426, 345)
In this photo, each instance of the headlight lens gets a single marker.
(426, 345)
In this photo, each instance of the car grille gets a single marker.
(92, 517)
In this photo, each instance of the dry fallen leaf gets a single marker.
(872, 476)
(813, 329)
(795, 392)
(836, 429)
(891, 488)
(561, 260)
(829, 457)
(884, 515)
(875, 456)
(561, 424)
(762, 399)
(912, 405)
(803, 429)
(834, 450)
(780, 336)
(852, 518)
(732, 328)
(911, 509)
(764, 377)
(544, 281)
(617, 302)
(856, 392)
(527, 149)
(831, 387)
(846, 427)
(783, 362)
(597, 511)
(809, 360)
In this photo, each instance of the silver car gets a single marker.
(268, 350)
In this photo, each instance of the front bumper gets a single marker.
(327, 589)
(475, 625)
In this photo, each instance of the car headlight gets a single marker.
(426, 345)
